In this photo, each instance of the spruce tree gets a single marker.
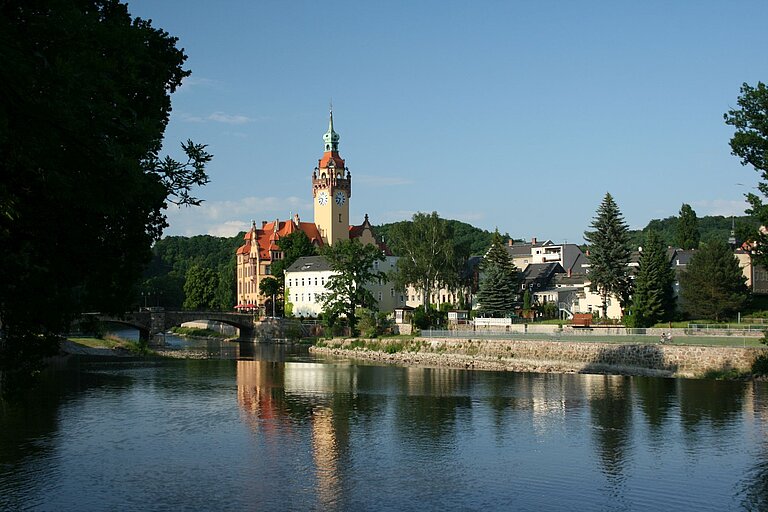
(688, 235)
(713, 285)
(497, 291)
(498, 285)
(653, 299)
(609, 253)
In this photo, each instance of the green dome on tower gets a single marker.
(331, 138)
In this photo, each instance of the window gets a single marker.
(322, 281)
(339, 217)
(309, 297)
(315, 281)
(379, 295)
(302, 281)
(267, 270)
(391, 292)
(289, 283)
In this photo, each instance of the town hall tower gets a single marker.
(331, 190)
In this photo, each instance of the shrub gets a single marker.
(760, 365)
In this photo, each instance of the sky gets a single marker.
(503, 114)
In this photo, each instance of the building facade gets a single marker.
(306, 280)
(331, 192)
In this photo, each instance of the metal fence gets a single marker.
(676, 336)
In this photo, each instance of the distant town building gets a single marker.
(306, 280)
(331, 192)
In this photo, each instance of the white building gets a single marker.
(306, 280)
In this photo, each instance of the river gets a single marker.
(272, 428)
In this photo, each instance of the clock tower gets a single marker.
(331, 190)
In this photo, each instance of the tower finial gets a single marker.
(331, 138)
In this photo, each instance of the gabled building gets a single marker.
(306, 280)
(331, 192)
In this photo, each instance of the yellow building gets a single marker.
(331, 192)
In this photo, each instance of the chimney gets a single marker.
(296, 219)
(533, 240)
(510, 242)
(569, 274)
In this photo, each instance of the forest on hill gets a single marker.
(206, 264)
(711, 227)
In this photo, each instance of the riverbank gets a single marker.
(71, 348)
(551, 356)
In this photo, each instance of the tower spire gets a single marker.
(331, 138)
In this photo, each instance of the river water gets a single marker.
(271, 428)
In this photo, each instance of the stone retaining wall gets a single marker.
(638, 359)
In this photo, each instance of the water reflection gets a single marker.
(312, 435)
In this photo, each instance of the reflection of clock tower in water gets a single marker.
(331, 190)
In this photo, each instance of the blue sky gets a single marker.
(508, 114)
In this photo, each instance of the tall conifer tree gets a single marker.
(498, 286)
(688, 235)
(653, 299)
(713, 285)
(609, 253)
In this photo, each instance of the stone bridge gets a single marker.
(155, 321)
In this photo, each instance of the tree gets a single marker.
(498, 285)
(750, 144)
(609, 253)
(86, 99)
(429, 258)
(353, 267)
(270, 287)
(497, 291)
(713, 285)
(687, 232)
(653, 297)
(200, 288)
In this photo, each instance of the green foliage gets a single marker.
(499, 279)
(713, 285)
(609, 253)
(527, 300)
(653, 297)
(475, 240)
(688, 235)
(498, 290)
(372, 323)
(86, 99)
(352, 264)
(760, 365)
(710, 227)
(197, 331)
(431, 257)
(294, 246)
(750, 144)
(200, 288)
(172, 258)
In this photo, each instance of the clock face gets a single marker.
(340, 198)
(322, 198)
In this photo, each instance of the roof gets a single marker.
(309, 264)
(541, 271)
(338, 162)
(268, 237)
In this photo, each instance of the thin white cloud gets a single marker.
(724, 207)
(221, 117)
(381, 181)
(217, 117)
(227, 218)
(192, 82)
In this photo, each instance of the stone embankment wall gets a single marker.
(553, 356)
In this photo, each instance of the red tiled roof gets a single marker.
(268, 238)
(337, 160)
